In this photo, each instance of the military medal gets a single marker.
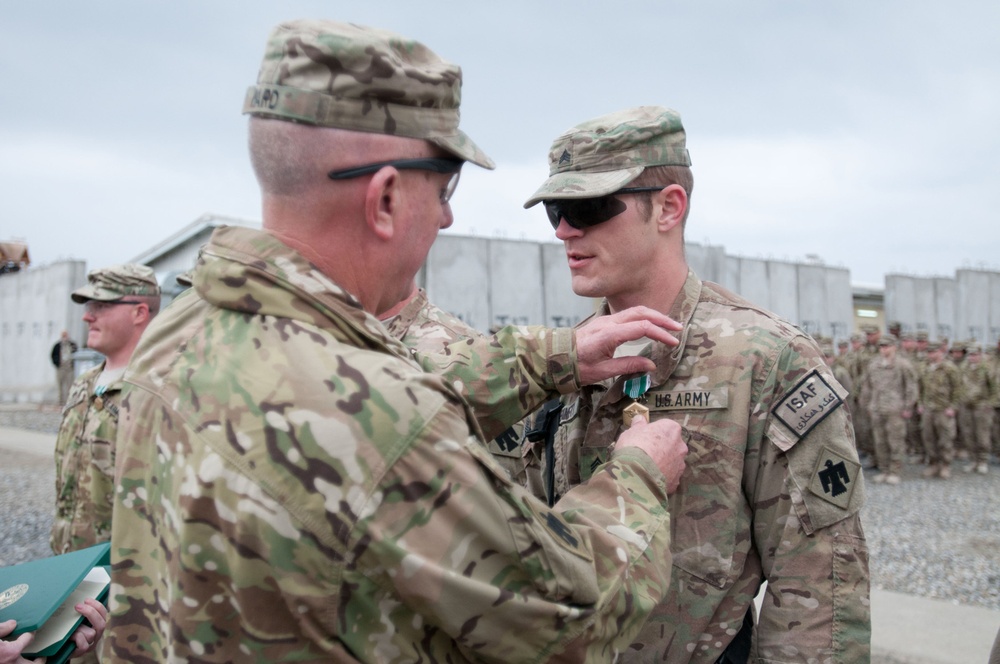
(98, 397)
(635, 388)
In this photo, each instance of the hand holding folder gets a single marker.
(41, 595)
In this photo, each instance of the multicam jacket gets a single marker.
(85, 465)
(940, 386)
(772, 489)
(293, 487)
(890, 387)
(428, 329)
(980, 388)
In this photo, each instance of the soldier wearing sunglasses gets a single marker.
(772, 488)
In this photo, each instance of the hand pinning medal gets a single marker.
(635, 388)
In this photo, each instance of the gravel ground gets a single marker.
(930, 538)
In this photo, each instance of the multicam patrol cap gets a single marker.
(113, 283)
(887, 341)
(602, 155)
(333, 74)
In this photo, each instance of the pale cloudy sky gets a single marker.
(864, 132)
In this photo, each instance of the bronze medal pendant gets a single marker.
(635, 388)
(99, 397)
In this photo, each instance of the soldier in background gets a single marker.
(119, 302)
(889, 392)
(909, 348)
(864, 351)
(293, 485)
(963, 415)
(980, 395)
(840, 372)
(62, 360)
(843, 347)
(922, 340)
(940, 392)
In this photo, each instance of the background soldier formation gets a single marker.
(952, 415)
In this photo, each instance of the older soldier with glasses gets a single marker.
(294, 486)
(772, 488)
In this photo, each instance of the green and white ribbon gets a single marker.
(636, 387)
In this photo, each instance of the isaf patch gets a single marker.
(835, 478)
(807, 404)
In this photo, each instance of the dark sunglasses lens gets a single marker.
(584, 212)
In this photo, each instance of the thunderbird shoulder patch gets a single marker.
(807, 404)
(834, 478)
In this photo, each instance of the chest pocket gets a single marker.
(709, 516)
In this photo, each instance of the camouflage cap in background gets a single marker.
(333, 74)
(113, 283)
(602, 155)
(887, 341)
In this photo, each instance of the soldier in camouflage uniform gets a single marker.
(940, 391)
(980, 393)
(854, 361)
(119, 303)
(890, 394)
(841, 373)
(62, 360)
(964, 428)
(773, 488)
(424, 327)
(293, 486)
(908, 350)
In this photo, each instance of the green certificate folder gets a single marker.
(40, 596)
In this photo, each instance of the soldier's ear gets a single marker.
(670, 206)
(383, 200)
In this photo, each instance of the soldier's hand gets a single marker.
(86, 636)
(662, 441)
(10, 651)
(597, 341)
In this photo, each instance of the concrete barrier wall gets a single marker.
(977, 306)
(35, 308)
(924, 304)
(488, 282)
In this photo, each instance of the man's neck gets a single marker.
(660, 293)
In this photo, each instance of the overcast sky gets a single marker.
(864, 132)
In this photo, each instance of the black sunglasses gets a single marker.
(583, 213)
(453, 166)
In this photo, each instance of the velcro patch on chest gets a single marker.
(834, 478)
(807, 404)
(659, 400)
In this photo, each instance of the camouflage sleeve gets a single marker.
(506, 376)
(505, 577)
(807, 498)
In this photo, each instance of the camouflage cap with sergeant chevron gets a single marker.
(602, 155)
(108, 284)
(333, 74)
